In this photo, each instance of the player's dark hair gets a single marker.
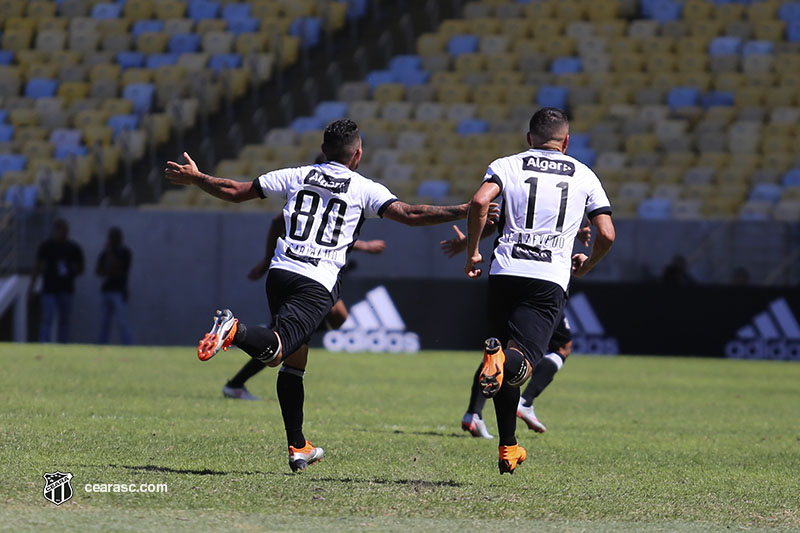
(340, 140)
(547, 124)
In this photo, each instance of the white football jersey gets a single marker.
(545, 195)
(325, 207)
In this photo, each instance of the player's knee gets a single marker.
(517, 368)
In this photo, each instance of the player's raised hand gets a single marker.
(470, 268)
(585, 233)
(182, 174)
(453, 247)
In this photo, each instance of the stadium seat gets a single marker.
(725, 46)
(220, 62)
(683, 97)
(149, 26)
(106, 11)
(552, 96)
(330, 111)
(119, 123)
(41, 88)
(655, 209)
(141, 94)
(463, 44)
(11, 162)
(202, 10)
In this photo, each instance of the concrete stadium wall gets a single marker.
(186, 264)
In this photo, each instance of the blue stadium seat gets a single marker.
(766, 192)
(242, 25)
(566, 65)
(792, 177)
(584, 154)
(580, 140)
(3, 115)
(12, 162)
(718, 99)
(666, 10)
(63, 151)
(130, 59)
(41, 88)
(65, 136)
(106, 11)
(472, 126)
(436, 189)
(412, 77)
(793, 32)
(184, 43)
(118, 123)
(789, 12)
(159, 60)
(304, 124)
(22, 196)
(405, 63)
(757, 47)
(646, 7)
(722, 46)
(463, 44)
(330, 111)
(141, 26)
(683, 97)
(202, 10)
(379, 77)
(356, 9)
(308, 29)
(552, 96)
(220, 62)
(236, 11)
(141, 94)
(655, 209)
(6, 57)
(6, 133)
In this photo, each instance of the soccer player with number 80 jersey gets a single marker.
(326, 204)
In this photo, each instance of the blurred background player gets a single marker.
(235, 387)
(325, 207)
(113, 266)
(559, 349)
(545, 195)
(59, 261)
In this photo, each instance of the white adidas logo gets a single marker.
(373, 325)
(588, 334)
(773, 334)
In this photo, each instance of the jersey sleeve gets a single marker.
(494, 174)
(275, 183)
(597, 202)
(376, 199)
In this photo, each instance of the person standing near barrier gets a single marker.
(59, 261)
(113, 265)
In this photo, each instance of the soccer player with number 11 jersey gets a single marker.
(545, 195)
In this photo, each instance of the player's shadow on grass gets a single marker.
(195, 472)
(421, 433)
(411, 482)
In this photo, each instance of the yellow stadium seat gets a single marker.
(249, 43)
(489, 93)
(769, 30)
(138, 9)
(116, 42)
(300, 8)
(389, 92)
(96, 134)
(50, 40)
(22, 117)
(483, 26)
(52, 24)
(451, 93)
(83, 42)
(660, 62)
(36, 150)
(728, 12)
(616, 95)
(749, 96)
(17, 39)
(173, 26)
(289, 50)
(24, 134)
(721, 208)
(470, 62)
(107, 71)
(137, 75)
(693, 63)
(71, 91)
(41, 70)
(693, 44)
(106, 26)
(90, 117)
(151, 42)
(451, 27)
(117, 106)
(628, 62)
(701, 80)
(39, 10)
(266, 8)
(559, 46)
(170, 9)
(709, 28)
(210, 25)
(762, 11)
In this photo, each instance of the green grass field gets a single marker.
(634, 443)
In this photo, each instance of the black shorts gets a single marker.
(562, 334)
(298, 305)
(524, 310)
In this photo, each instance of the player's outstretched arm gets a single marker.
(370, 247)
(222, 188)
(424, 215)
(476, 224)
(606, 234)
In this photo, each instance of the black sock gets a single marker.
(290, 396)
(515, 369)
(250, 369)
(542, 375)
(476, 399)
(505, 407)
(258, 342)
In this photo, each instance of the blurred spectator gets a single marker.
(113, 265)
(677, 272)
(59, 261)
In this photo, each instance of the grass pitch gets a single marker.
(633, 444)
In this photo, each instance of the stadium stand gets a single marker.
(686, 109)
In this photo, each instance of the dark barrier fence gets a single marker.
(648, 319)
